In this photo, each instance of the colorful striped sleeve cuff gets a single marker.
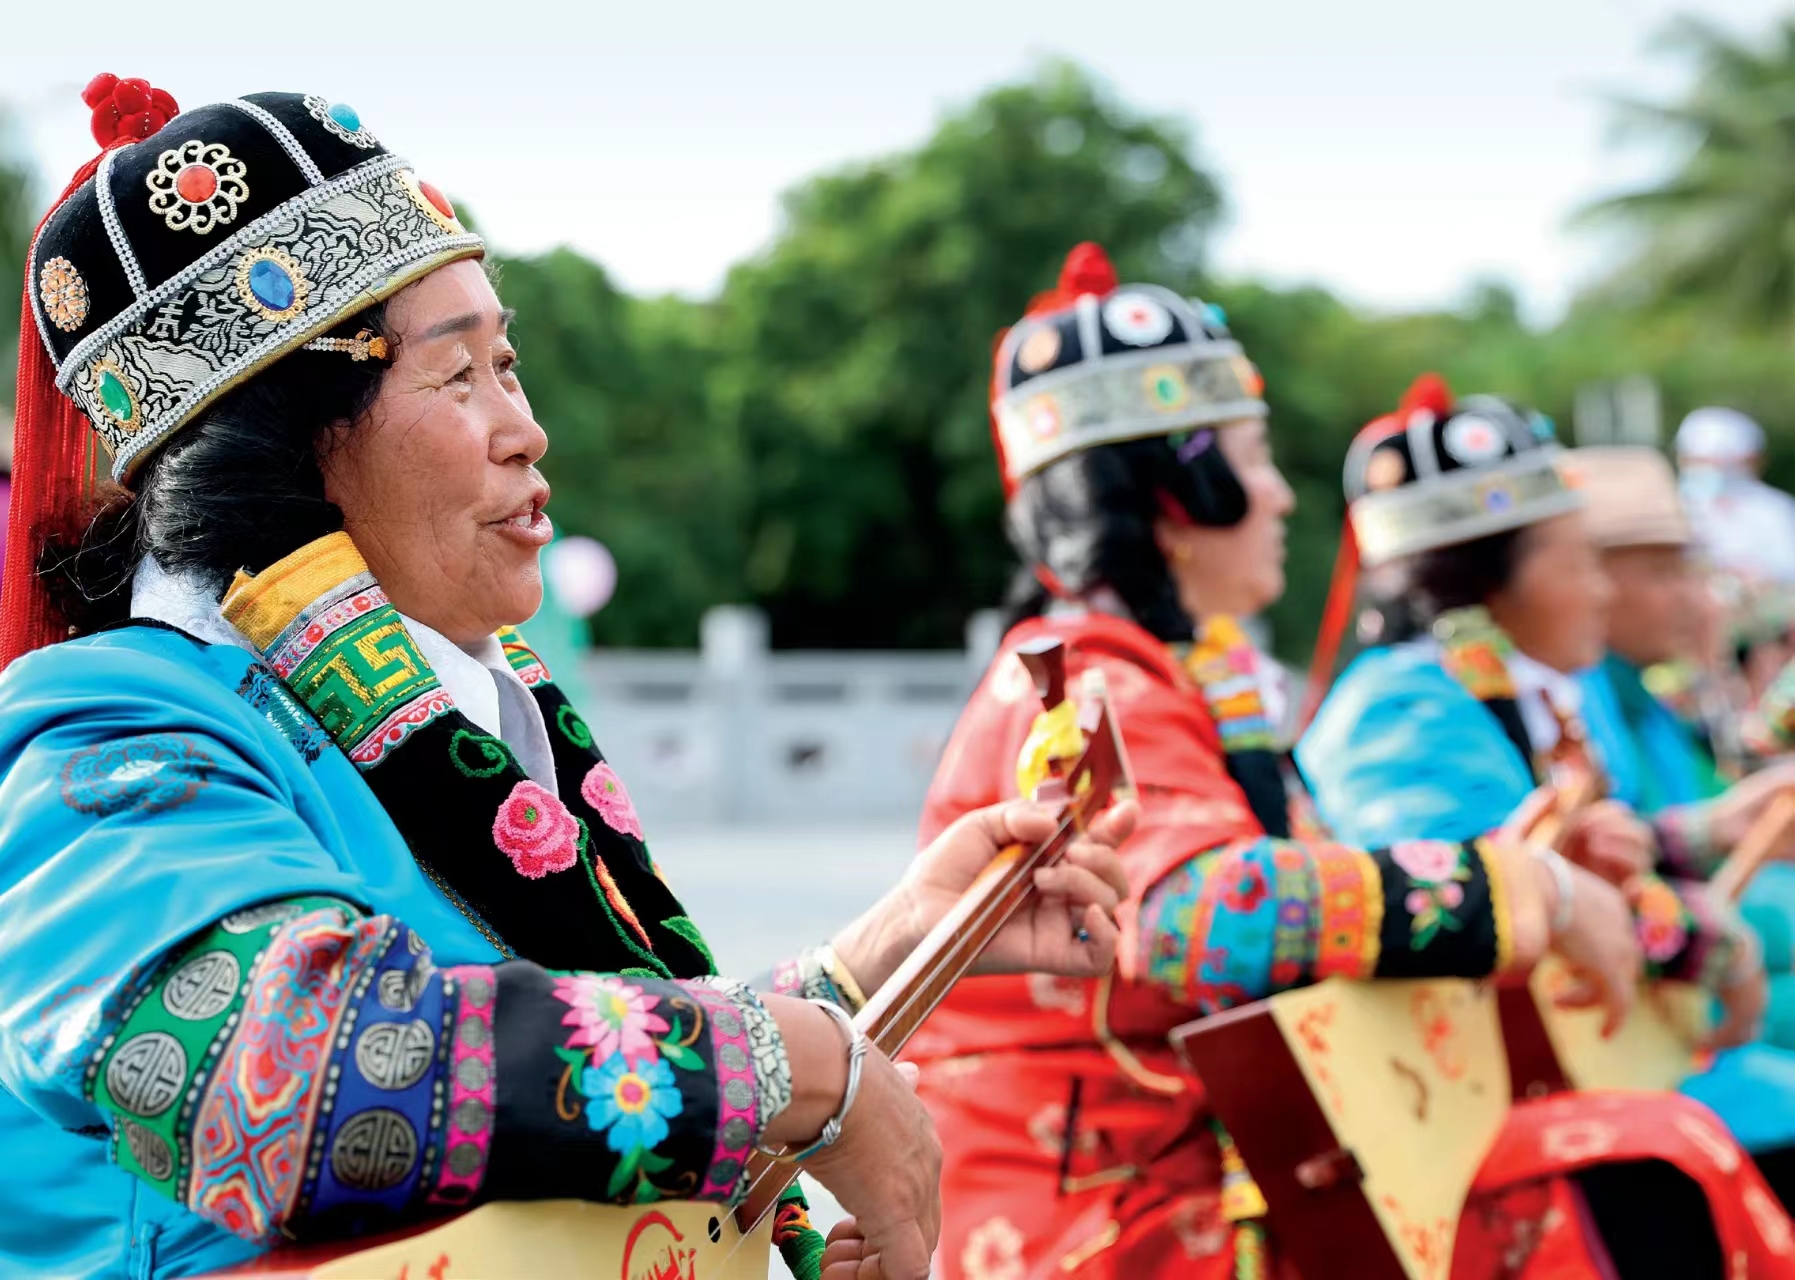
(304, 1069)
(1254, 918)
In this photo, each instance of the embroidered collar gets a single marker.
(1479, 655)
(479, 678)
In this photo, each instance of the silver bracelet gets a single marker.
(1567, 887)
(857, 1046)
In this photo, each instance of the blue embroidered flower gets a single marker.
(264, 692)
(151, 773)
(634, 1101)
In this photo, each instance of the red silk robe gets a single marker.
(1076, 1146)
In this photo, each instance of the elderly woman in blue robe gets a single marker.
(322, 911)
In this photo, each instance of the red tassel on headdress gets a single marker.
(1430, 392)
(53, 461)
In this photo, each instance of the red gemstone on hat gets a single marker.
(438, 199)
(197, 183)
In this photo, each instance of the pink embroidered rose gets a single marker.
(1452, 895)
(610, 1015)
(535, 830)
(603, 790)
(1427, 861)
(1419, 900)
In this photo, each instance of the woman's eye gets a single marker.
(464, 374)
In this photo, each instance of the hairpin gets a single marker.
(363, 345)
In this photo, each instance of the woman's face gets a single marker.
(1555, 605)
(1659, 604)
(1237, 571)
(438, 482)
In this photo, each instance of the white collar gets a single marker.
(479, 679)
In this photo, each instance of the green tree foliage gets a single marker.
(18, 200)
(854, 355)
(1719, 229)
(635, 456)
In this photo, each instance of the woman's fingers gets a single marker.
(1102, 940)
(1115, 824)
(1101, 859)
(1078, 885)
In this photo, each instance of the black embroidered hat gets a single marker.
(1095, 362)
(227, 238)
(196, 249)
(1440, 472)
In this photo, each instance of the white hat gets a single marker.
(1716, 434)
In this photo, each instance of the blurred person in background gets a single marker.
(1493, 598)
(1148, 513)
(1746, 527)
(1656, 766)
(266, 726)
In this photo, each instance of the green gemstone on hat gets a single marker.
(1165, 389)
(116, 397)
(345, 115)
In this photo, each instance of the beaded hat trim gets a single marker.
(186, 342)
(1460, 506)
(1129, 396)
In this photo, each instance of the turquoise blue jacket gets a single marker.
(1653, 763)
(82, 904)
(1400, 750)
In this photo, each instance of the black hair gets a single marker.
(1409, 598)
(1088, 520)
(238, 489)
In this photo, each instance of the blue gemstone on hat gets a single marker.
(345, 115)
(271, 285)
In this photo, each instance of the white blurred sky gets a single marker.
(1395, 150)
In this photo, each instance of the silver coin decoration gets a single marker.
(472, 1116)
(736, 1132)
(727, 1023)
(731, 1056)
(471, 1074)
(375, 1151)
(395, 1055)
(737, 1094)
(147, 1073)
(465, 1159)
(149, 1150)
(203, 987)
(478, 990)
(472, 1033)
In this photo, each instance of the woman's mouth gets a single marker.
(529, 525)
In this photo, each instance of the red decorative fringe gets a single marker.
(1335, 617)
(52, 480)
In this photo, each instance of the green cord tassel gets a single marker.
(800, 1244)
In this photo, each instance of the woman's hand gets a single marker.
(885, 1169)
(1737, 810)
(1599, 943)
(1077, 896)
(1611, 840)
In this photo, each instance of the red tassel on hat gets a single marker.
(53, 463)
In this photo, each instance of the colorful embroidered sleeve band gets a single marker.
(302, 1068)
(1686, 847)
(1256, 917)
(1687, 934)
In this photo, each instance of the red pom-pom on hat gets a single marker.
(1087, 270)
(126, 110)
(1430, 392)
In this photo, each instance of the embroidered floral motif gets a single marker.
(1661, 921)
(535, 830)
(572, 727)
(265, 694)
(610, 1015)
(152, 773)
(993, 1251)
(1437, 868)
(632, 1101)
(631, 1094)
(478, 755)
(604, 791)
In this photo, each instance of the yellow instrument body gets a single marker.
(1654, 1048)
(571, 1239)
(1413, 1080)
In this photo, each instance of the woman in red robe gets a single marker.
(1143, 496)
